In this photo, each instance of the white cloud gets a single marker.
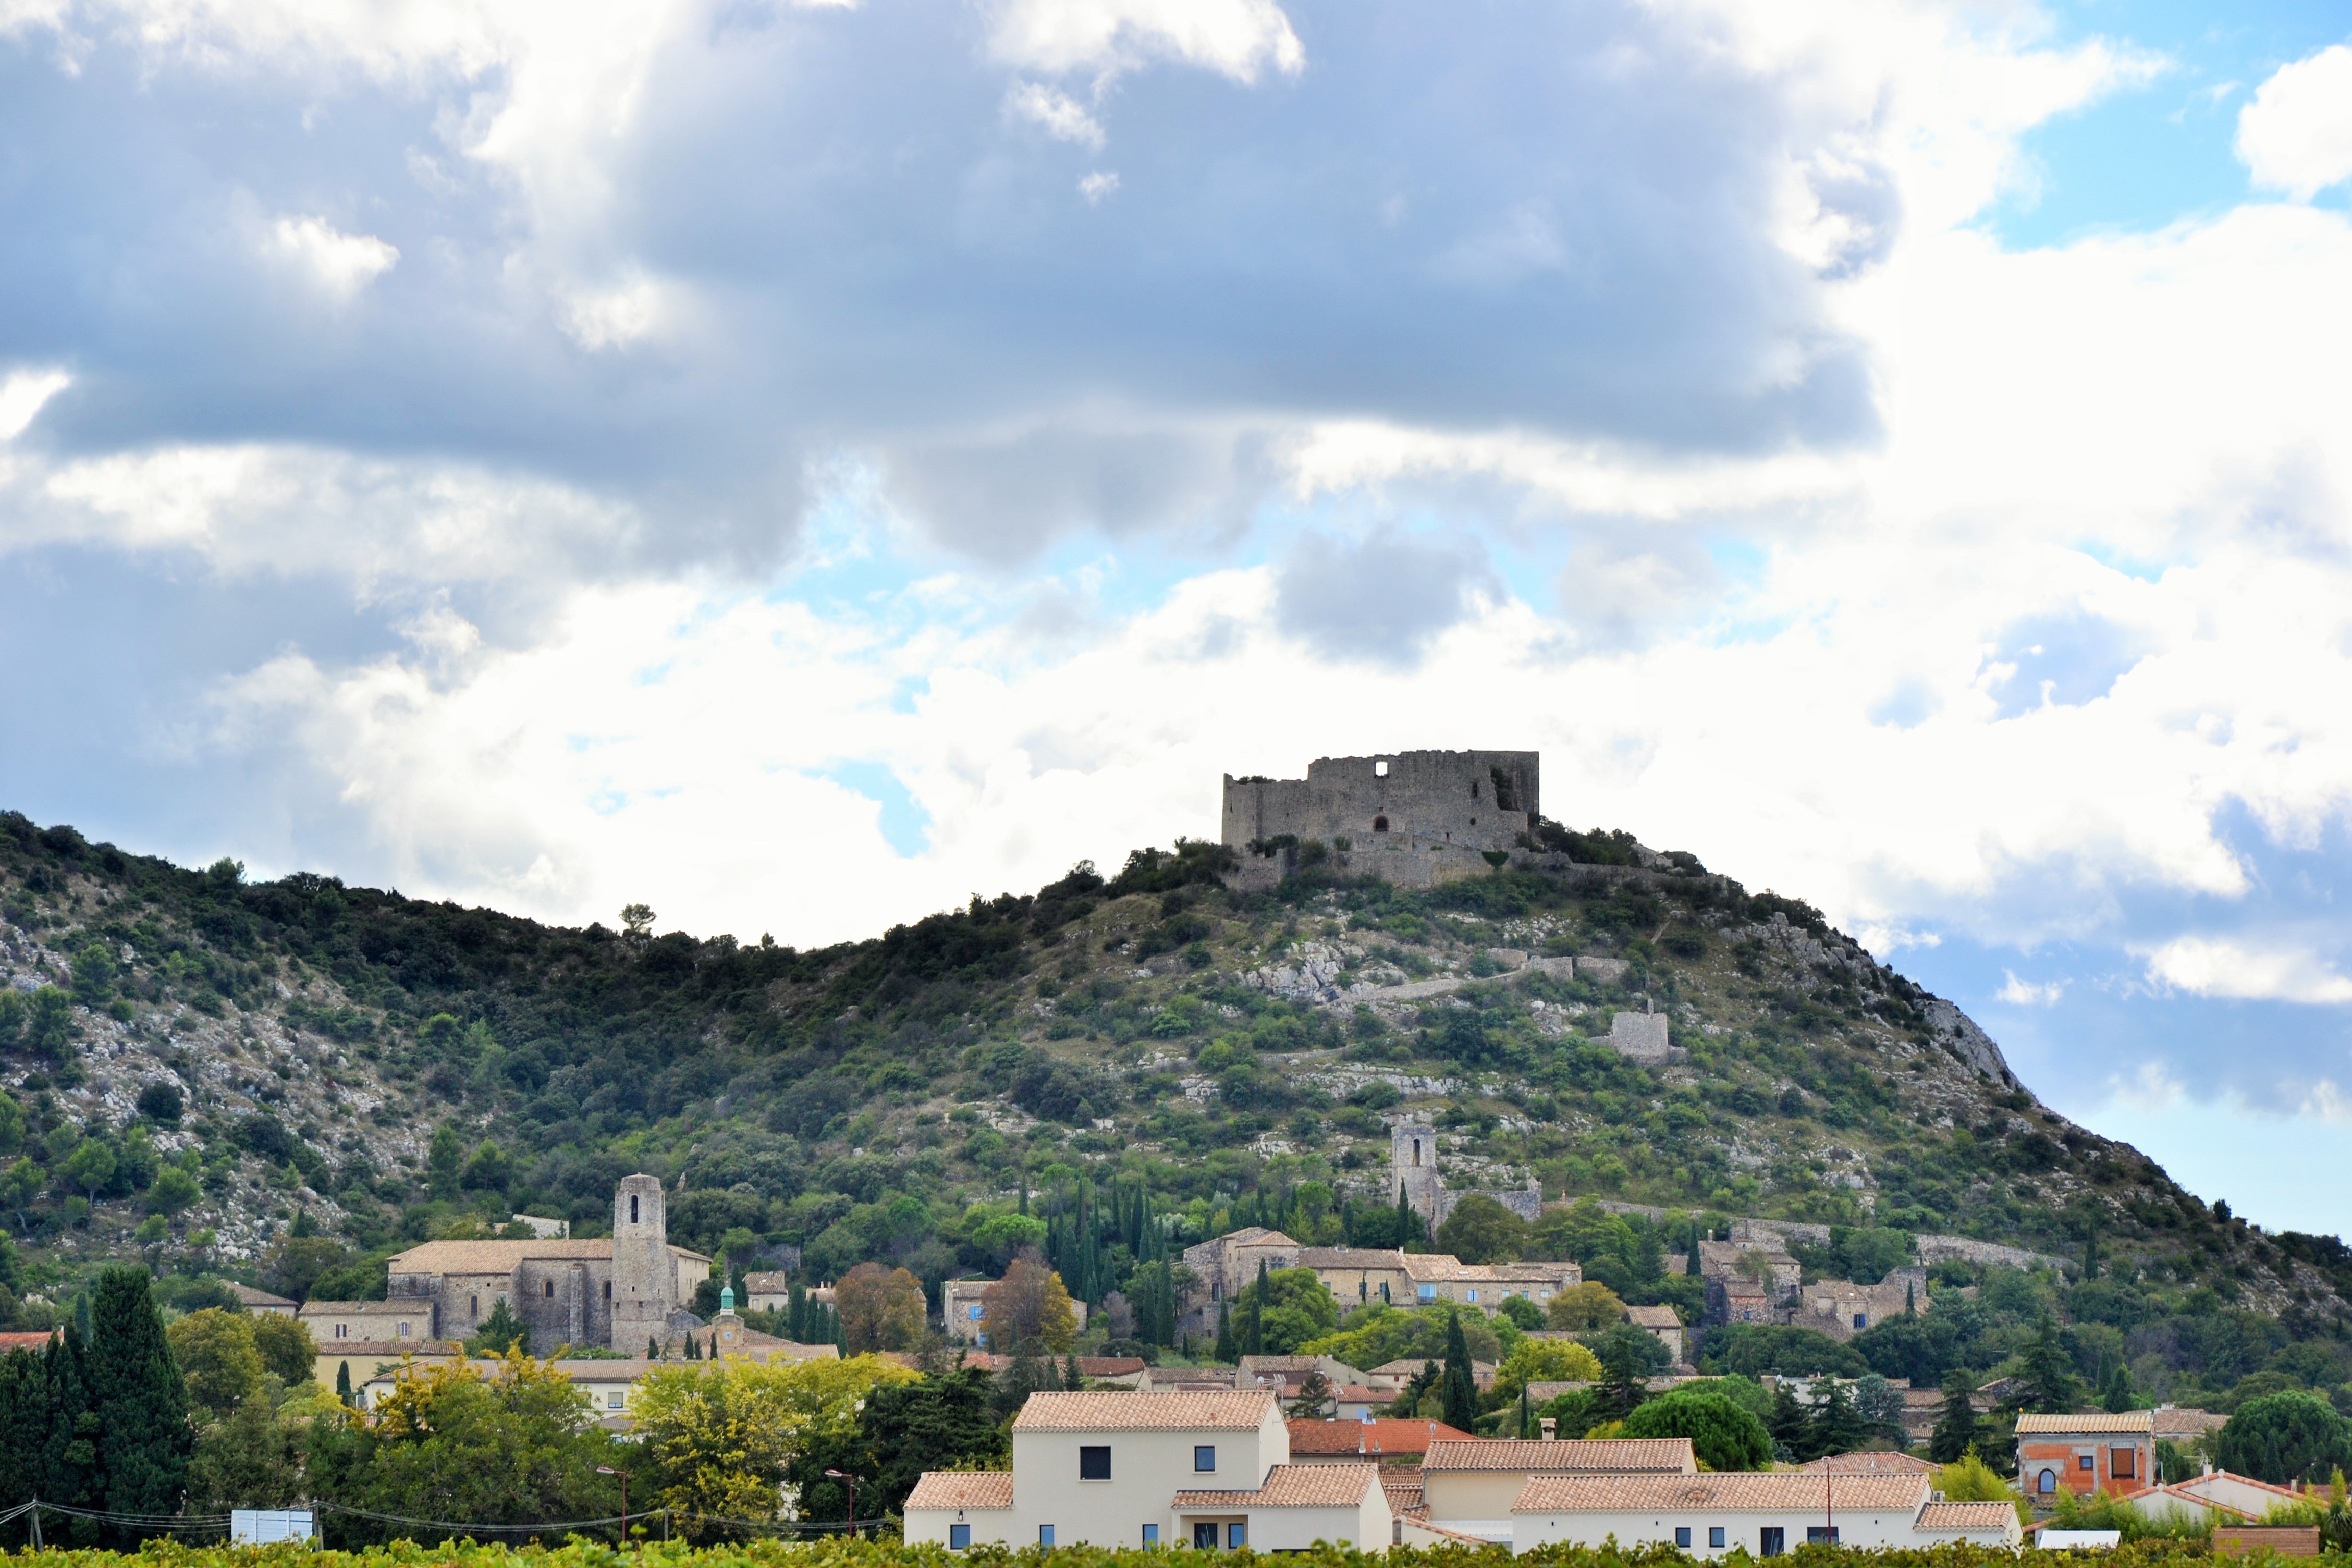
(338, 264)
(1058, 114)
(2297, 135)
(2026, 994)
(1100, 183)
(23, 395)
(1238, 39)
(618, 317)
(2220, 966)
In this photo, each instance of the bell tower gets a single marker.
(1412, 1164)
(645, 1276)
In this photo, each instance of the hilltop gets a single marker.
(284, 1081)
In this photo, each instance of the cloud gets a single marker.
(2216, 966)
(1098, 184)
(1238, 39)
(340, 264)
(2026, 994)
(1059, 116)
(2297, 135)
(1381, 599)
(23, 395)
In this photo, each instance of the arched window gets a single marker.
(633, 1208)
(1379, 825)
(551, 1289)
(1416, 1151)
(2048, 1482)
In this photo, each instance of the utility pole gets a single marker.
(845, 1476)
(609, 1470)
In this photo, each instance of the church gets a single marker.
(621, 1292)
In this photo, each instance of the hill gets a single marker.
(284, 1081)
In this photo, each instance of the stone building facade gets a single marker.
(1413, 817)
(618, 1292)
(1413, 1167)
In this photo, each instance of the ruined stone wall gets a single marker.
(1412, 1166)
(1463, 800)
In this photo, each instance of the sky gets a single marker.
(800, 463)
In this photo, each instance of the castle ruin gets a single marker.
(1414, 1173)
(1413, 818)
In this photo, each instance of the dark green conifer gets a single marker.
(1459, 1388)
(140, 1402)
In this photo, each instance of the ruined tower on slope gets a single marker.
(645, 1275)
(1412, 818)
(1412, 1164)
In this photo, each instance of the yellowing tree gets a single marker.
(881, 1310)
(1029, 1308)
(1582, 1309)
(1545, 1361)
(216, 1354)
(719, 1438)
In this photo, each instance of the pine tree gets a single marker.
(1956, 1424)
(1227, 1352)
(1837, 1427)
(140, 1400)
(2049, 1385)
(1459, 1390)
(1071, 1376)
(1792, 1427)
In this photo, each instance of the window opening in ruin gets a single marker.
(608, 1289)
(1507, 790)
(1416, 1151)
(1473, 789)
(1381, 769)
(551, 1289)
(633, 1208)
(1379, 825)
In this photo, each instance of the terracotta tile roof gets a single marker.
(768, 1281)
(1997, 1516)
(961, 1488)
(2179, 1421)
(1659, 1317)
(1666, 1455)
(1404, 1496)
(1770, 1491)
(1882, 1462)
(398, 1307)
(1405, 1366)
(1144, 1412)
(1367, 1258)
(1372, 1438)
(23, 1341)
(2089, 1421)
(1252, 1366)
(1293, 1486)
(500, 1257)
(388, 1350)
(1110, 1365)
(253, 1298)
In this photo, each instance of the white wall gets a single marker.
(1862, 1529)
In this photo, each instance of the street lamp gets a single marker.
(845, 1476)
(609, 1470)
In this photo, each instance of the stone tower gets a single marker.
(1412, 1162)
(645, 1276)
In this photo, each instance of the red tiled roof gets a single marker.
(1668, 1456)
(1372, 1438)
(16, 1342)
(1746, 1492)
(962, 1488)
(1880, 1462)
(1293, 1486)
(2087, 1421)
(1997, 1516)
(1125, 1411)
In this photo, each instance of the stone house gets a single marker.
(2084, 1453)
(1662, 1321)
(1841, 1309)
(963, 1308)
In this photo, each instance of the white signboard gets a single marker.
(261, 1526)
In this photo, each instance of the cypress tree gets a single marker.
(796, 1314)
(1072, 1378)
(1527, 1415)
(343, 1382)
(653, 1349)
(24, 1432)
(1254, 1325)
(1403, 1219)
(1226, 1349)
(69, 1456)
(1459, 1391)
(140, 1400)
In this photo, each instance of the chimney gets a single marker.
(1550, 1429)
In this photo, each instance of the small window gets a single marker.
(633, 1208)
(2124, 1461)
(1474, 1292)
(1714, 1535)
(1682, 1535)
(550, 1290)
(2082, 1462)
(608, 1289)
(973, 1311)
(1045, 1535)
(1094, 1462)
(612, 1401)
(404, 1331)
(1428, 1292)
(958, 1537)
(473, 1306)
(1379, 825)
(1473, 789)
(1821, 1535)
(1771, 1541)
(1381, 769)
(1205, 1538)
(1152, 1535)
(1204, 1459)
(1236, 1537)
(1862, 1319)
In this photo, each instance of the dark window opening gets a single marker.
(1379, 825)
(1473, 789)
(608, 1289)
(633, 1208)
(551, 1289)
(1771, 1541)
(1821, 1535)
(1094, 1462)
(1205, 1538)
(1204, 1459)
(1682, 1536)
(1506, 791)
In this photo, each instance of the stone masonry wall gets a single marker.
(1463, 800)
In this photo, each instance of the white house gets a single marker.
(1763, 1514)
(1133, 1469)
(1471, 1485)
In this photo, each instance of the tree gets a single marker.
(1287, 1308)
(1628, 1355)
(1790, 1424)
(90, 1166)
(161, 1103)
(1028, 1307)
(1545, 1361)
(637, 922)
(175, 1189)
(1969, 1479)
(1314, 1400)
(1420, 1389)
(1837, 1425)
(286, 1350)
(1723, 1434)
(218, 1359)
(941, 1423)
(19, 1188)
(1956, 1424)
(297, 1262)
(2283, 1437)
(2117, 1394)
(745, 1440)
(1585, 1309)
(1754, 1349)
(1481, 1230)
(1228, 1348)
(517, 1446)
(1252, 1333)
(445, 1162)
(252, 1459)
(138, 1397)
(881, 1309)
(2047, 1383)
(1878, 1404)
(503, 1331)
(11, 1121)
(1458, 1393)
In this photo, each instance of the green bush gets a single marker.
(1724, 1435)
